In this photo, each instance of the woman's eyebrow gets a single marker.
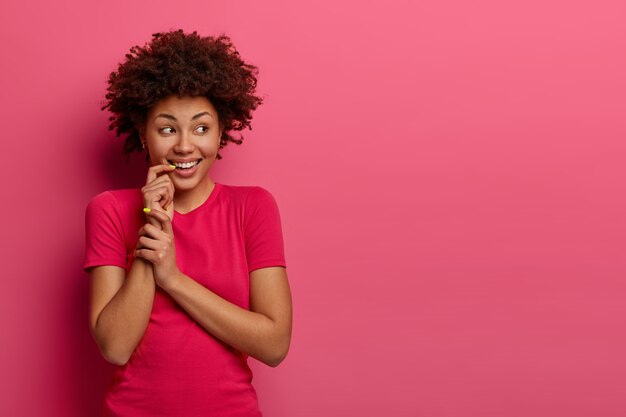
(169, 116)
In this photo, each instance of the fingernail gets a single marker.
(172, 166)
(146, 209)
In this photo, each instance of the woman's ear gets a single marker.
(142, 136)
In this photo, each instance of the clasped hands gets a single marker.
(156, 237)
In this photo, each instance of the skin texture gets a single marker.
(121, 305)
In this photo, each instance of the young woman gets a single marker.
(188, 275)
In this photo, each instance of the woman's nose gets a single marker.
(184, 144)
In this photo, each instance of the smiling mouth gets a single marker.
(184, 166)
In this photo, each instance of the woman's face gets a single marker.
(183, 130)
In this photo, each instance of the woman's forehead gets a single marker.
(186, 107)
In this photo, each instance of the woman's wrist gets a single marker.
(173, 281)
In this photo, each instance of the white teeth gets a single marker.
(185, 165)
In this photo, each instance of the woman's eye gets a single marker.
(203, 127)
(161, 130)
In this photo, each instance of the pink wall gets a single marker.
(451, 182)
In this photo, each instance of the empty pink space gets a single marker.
(450, 181)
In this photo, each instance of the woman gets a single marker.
(188, 275)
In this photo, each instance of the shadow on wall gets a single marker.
(88, 373)
(110, 170)
(88, 370)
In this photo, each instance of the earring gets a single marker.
(143, 145)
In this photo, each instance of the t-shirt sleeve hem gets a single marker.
(99, 262)
(266, 264)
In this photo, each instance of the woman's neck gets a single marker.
(186, 201)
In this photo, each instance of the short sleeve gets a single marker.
(104, 237)
(263, 230)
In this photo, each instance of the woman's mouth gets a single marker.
(185, 165)
(186, 169)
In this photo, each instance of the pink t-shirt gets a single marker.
(178, 368)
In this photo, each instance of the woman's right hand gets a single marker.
(158, 193)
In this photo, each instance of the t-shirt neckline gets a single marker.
(210, 198)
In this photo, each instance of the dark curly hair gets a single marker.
(183, 64)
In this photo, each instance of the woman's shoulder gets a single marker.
(245, 192)
(239, 188)
(120, 199)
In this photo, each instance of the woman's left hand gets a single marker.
(157, 246)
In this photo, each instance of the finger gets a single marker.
(156, 184)
(159, 180)
(159, 194)
(162, 217)
(158, 214)
(152, 231)
(153, 222)
(163, 189)
(170, 194)
(155, 194)
(155, 170)
(172, 190)
(147, 243)
(147, 254)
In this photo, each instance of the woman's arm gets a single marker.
(263, 332)
(120, 308)
(121, 303)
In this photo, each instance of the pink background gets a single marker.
(451, 182)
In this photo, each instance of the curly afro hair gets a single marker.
(186, 65)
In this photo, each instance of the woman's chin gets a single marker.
(187, 184)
